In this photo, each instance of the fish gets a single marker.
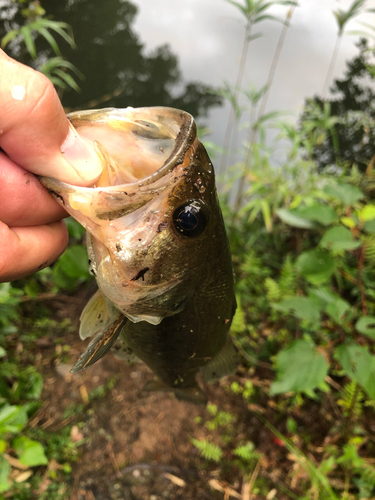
(157, 246)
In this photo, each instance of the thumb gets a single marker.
(35, 132)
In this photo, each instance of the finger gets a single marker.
(24, 201)
(34, 131)
(25, 250)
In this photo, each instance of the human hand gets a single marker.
(35, 138)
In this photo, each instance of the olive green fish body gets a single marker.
(182, 344)
(157, 245)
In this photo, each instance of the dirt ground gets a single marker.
(137, 445)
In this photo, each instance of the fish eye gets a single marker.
(190, 219)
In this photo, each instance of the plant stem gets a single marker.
(275, 60)
(253, 129)
(331, 66)
(232, 117)
(360, 260)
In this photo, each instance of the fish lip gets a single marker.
(183, 142)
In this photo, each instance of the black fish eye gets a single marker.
(190, 219)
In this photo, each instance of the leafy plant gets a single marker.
(36, 24)
(342, 18)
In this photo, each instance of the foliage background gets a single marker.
(303, 240)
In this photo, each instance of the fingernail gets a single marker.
(79, 152)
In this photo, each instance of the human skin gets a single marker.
(35, 138)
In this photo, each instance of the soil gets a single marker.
(137, 445)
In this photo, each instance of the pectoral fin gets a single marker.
(224, 363)
(100, 345)
(97, 315)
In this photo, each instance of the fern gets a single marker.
(253, 269)
(208, 450)
(273, 290)
(288, 277)
(368, 475)
(285, 285)
(358, 465)
(351, 401)
(370, 250)
(238, 325)
(246, 452)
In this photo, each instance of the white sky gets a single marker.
(207, 36)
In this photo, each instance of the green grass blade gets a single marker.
(63, 29)
(67, 79)
(9, 37)
(25, 31)
(47, 35)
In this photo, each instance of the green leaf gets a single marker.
(348, 222)
(75, 262)
(2, 352)
(292, 219)
(29, 41)
(74, 228)
(31, 384)
(47, 35)
(59, 27)
(323, 214)
(344, 193)
(4, 473)
(300, 368)
(68, 79)
(323, 293)
(246, 451)
(12, 419)
(71, 267)
(367, 213)
(369, 226)
(337, 308)
(359, 365)
(366, 326)
(332, 303)
(339, 238)
(9, 37)
(266, 211)
(305, 308)
(210, 451)
(30, 452)
(57, 82)
(317, 266)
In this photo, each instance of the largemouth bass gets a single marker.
(157, 246)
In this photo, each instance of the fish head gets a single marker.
(153, 218)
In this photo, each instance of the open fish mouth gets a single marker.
(153, 168)
(143, 143)
(140, 150)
